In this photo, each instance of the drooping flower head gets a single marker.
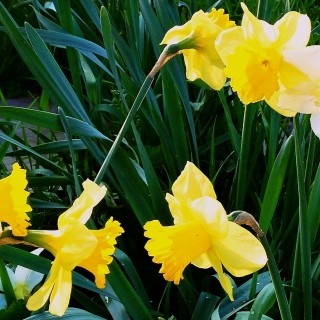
(201, 234)
(255, 56)
(73, 244)
(13, 206)
(196, 39)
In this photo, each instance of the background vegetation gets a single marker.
(91, 63)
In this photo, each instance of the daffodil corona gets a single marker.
(13, 206)
(73, 244)
(201, 234)
(255, 55)
(195, 40)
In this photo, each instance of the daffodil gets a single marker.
(23, 281)
(195, 39)
(73, 244)
(13, 204)
(201, 234)
(255, 55)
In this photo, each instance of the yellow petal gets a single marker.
(60, 296)
(175, 246)
(83, 206)
(13, 210)
(303, 63)
(212, 216)
(255, 29)
(192, 184)
(302, 98)
(179, 33)
(208, 67)
(228, 41)
(77, 243)
(195, 40)
(41, 296)
(273, 102)
(97, 263)
(224, 280)
(315, 123)
(294, 30)
(240, 252)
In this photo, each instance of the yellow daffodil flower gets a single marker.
(255, 56)
(305, 97)
(196, 42)
(201, 234)
(13, 206)
(73, 244)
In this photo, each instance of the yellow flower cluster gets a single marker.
(73, 244)
(263, 61)
(202, 235)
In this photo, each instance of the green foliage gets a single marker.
(90, 58)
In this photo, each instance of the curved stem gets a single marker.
(163, 58)
(277, 283)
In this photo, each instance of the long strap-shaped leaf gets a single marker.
(43, 66)
(51, 121)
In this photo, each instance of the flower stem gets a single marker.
(163, 58)
(276, 280)
(304, 234)
(241, 217)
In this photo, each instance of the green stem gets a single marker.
(243, 162)
(141, 95)
(277, 283)
(304, 235)
(164, 57)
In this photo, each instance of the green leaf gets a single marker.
(263, 302)
(71, 313)
(6, 284)
(205, 306)
(51, 121)
(275, 184)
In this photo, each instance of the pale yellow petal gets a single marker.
(315, 123)
(60, 296)
(302, 98)
(257, 30)
(83, 206)
(303, 60)
(217, 266)
(294, 30)
(228, 41)
(240, 252)
(273, 102)
(192, 184)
